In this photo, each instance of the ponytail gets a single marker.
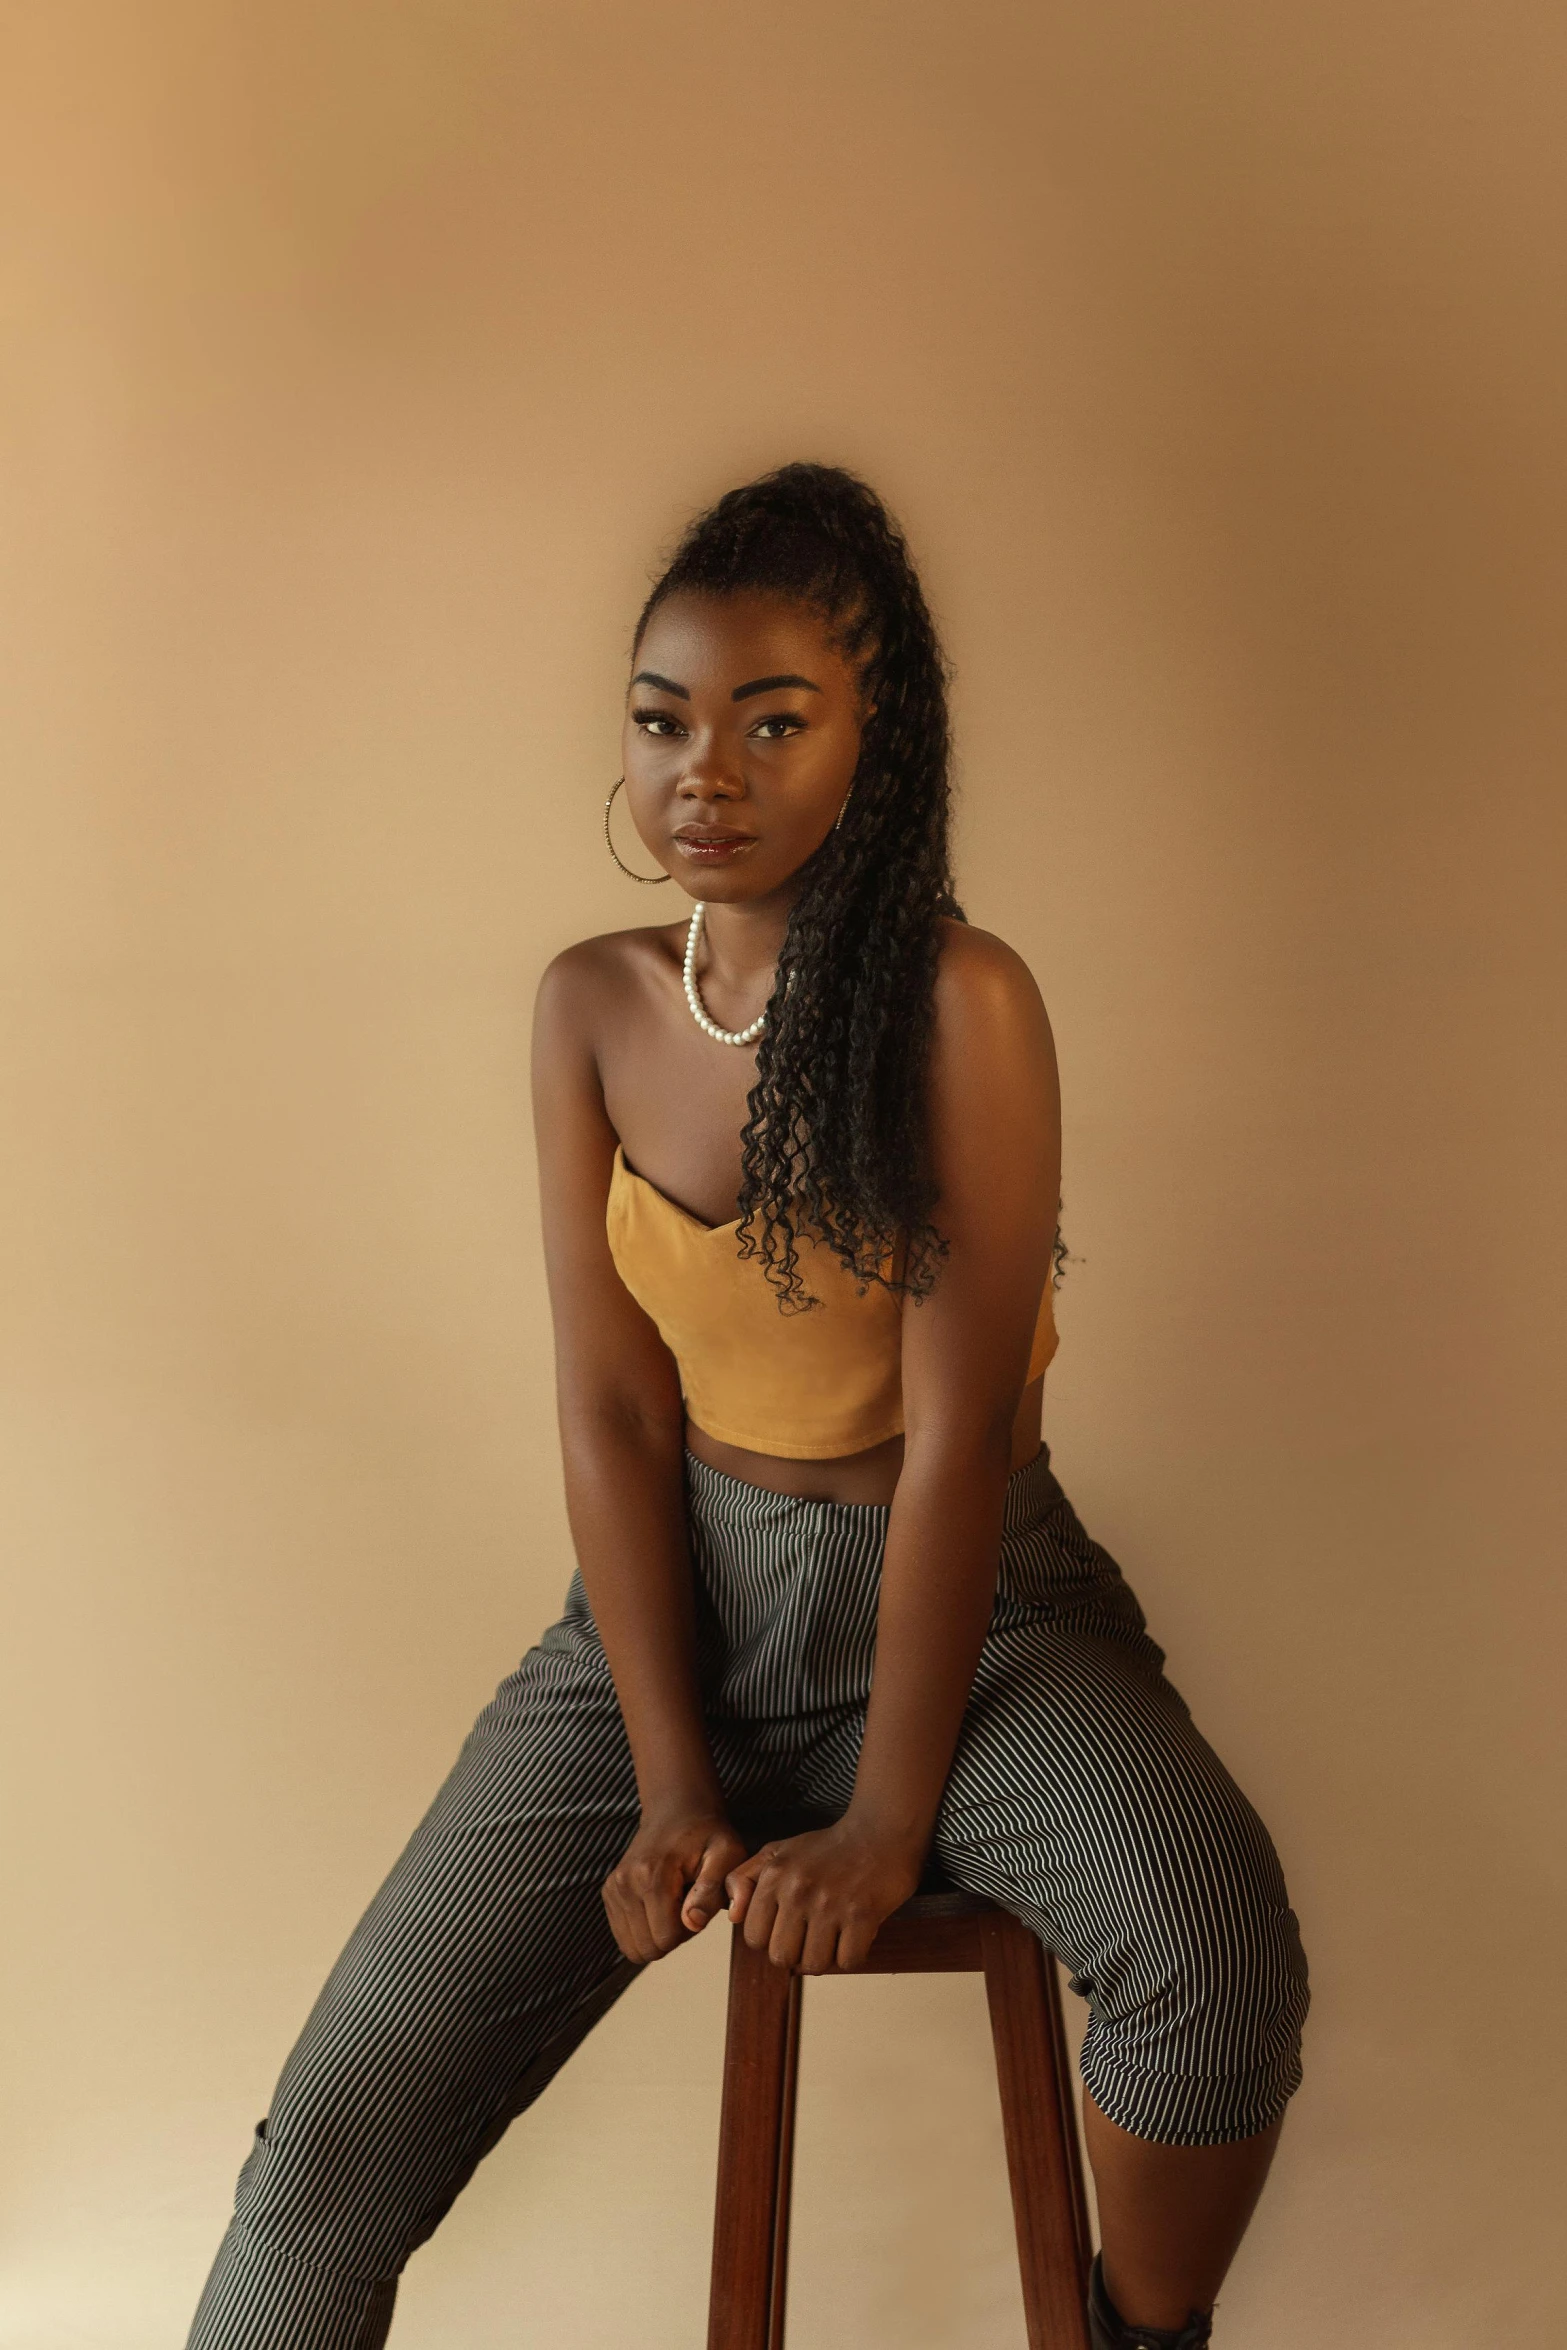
(836, 1140)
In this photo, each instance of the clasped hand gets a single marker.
(813, 1902)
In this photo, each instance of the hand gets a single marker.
(670, 1880)
(814, 1902)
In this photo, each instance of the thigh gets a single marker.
(1084, 1795)
(1083, 1798)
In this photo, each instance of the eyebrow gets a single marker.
(757, 685)
(765, 685)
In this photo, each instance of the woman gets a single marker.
(799, 1157)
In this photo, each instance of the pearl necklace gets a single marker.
(693, 995)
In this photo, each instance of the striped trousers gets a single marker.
(1080, 1796)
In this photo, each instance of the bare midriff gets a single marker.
(871, 1475)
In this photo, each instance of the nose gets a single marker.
(707, 778)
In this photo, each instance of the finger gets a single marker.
(787, 1939)
(661, 1910)
(628, 1927)
(706, 1897)
(854, 1942)
(631, 1897)
(760, 1911)
(818, 1954)
(740, 1885)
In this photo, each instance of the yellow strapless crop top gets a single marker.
(805, 1386)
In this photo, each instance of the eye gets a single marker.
(660, 723)
(783, 720)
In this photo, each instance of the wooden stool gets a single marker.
(941, 1931)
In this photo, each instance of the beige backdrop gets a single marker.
(358, 362)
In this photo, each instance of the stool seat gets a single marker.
(941, 1929)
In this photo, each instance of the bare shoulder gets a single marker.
(598, 975)
(995, 1094)
(984, 988)
(591, 996)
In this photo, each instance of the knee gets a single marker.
(1199, 1996)
(329, 2177)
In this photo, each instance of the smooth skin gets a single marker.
(715, 749)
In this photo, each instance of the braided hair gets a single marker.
(836, 1135)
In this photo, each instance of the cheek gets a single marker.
(644, 756)
(798, 812)
(820, 771)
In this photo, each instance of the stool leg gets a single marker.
(755, 2153)
(775, 2333)
(1041, 2133)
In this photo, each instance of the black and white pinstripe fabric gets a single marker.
(1080, 1796)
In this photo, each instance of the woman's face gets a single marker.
(742, 732)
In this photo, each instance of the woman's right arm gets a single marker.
(622, 1432)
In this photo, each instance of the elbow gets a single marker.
(973, 1440)
(620, 1421)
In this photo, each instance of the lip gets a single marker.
(711, 842)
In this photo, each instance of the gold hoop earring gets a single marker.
(650, 878)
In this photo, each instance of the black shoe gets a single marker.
(1108, 2329)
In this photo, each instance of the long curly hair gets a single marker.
(836, 1141)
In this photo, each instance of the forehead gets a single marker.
(717, 642)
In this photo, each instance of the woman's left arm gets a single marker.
(996, 1144)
